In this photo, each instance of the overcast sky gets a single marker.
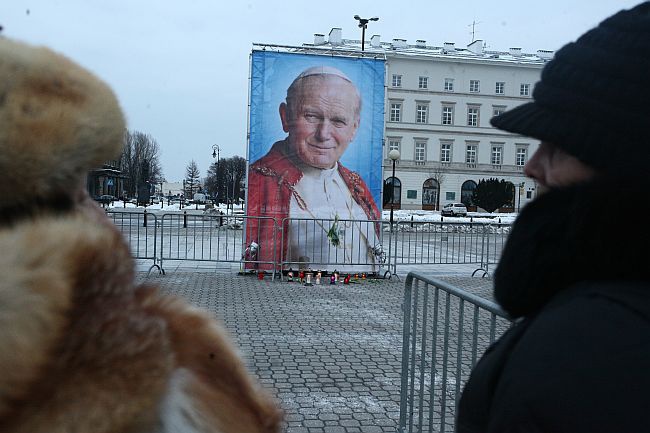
(180, 68)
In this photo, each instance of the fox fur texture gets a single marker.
(82, 347)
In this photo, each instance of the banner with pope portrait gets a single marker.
(315, 161)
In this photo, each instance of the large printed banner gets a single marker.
(315, 153)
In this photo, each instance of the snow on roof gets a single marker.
(401, 48)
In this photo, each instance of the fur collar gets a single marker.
(572, 235)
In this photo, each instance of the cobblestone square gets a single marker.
(331, 354)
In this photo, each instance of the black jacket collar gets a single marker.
(590, 232)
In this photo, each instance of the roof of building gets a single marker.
(476, 51)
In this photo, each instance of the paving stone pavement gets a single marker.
(331, 354)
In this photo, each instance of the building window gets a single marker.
(529, 194)
(420, 152)
(497, 153)
(524, 90)
(498, 110)
(450, 196)
(474, 86)
(397, 80)
(472, 115)
(421, 113)
(447, 114)
(445, 152)
(500, 88)
(393, 145)
(395, 112)
(449, 84)
(521, 156)
(470, 154)
(423, 83)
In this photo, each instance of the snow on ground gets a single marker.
(398, 215)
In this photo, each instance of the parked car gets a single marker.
(105, 199)
(454, 209)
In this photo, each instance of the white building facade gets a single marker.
(439, 101)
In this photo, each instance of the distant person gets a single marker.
(578, 357)
(301, 177)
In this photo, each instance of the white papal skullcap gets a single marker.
(322, 70)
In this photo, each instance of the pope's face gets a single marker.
(324, 121)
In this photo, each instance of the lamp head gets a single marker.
(394, 154)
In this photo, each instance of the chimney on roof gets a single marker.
(545, 54)
(399, 43)
(319, 39)
(449, 46)
(375, 41)
(515, 52)
(335, 36)
(421, 43)
(476, 47)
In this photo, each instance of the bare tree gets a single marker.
(438, 174)
(192, 179)
(225, 179)
(138, 149)
(238, 175)
(212, 180)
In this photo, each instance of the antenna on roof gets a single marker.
(473, 32)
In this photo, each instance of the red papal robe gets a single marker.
(271, 185)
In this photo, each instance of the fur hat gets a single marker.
(84, 347)
(57, 121)
(592, 99)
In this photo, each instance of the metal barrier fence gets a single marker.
(333, 244)
(140, 230)
(215, 238)
(445, 330)
(444, 243)
(221, 238)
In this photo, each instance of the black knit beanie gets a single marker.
(593, 99)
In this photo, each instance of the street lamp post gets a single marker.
(520, 192)
(215, 154)
(363, 24)
(393, 155)
(182, 195)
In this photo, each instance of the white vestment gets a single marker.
(322, 203)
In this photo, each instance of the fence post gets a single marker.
(185, 219)
(487, 248)
(483, 246)
(144, 224)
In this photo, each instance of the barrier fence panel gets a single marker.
(342, 244)
(444, 243)
(446, 330)
(346, 245)
(139, 230)
(496, 235)
(206, 237)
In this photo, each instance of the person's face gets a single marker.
(324, 120)
(552, 167)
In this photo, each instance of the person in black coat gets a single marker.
(576, 279)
